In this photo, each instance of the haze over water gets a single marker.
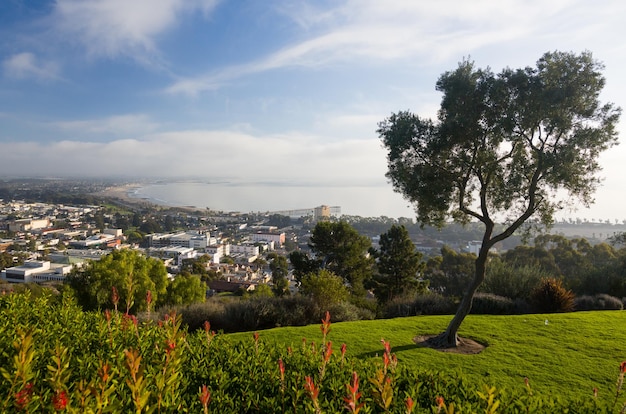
(356, 200)
(365, 201)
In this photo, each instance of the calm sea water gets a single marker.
(365, 201)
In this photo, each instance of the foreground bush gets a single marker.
(87, 362)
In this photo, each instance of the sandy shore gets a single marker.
(121, 194)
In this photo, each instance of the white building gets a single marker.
(176, 253)
(217, 251)
(190, 239)
(36, 271)
(474, 246)
(93, 241)
(245, 249)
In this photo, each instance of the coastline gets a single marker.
(121, 195)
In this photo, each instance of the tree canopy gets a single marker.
(131, 273)
(505, 147)
(399, 265)
(340, 249)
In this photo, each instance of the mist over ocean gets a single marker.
(365, 201)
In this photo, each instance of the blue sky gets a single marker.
(263, 90)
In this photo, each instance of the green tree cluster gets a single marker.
(340, 249)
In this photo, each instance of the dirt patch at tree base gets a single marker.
(465, 346)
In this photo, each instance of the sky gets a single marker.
(272, 91)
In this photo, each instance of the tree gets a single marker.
(150, 226)
(302, 264)
(450, 273)
(168, 223)
(197, 266)
(185, 289)
(399, 265)
(325, 288)
(280, 269)
(278, 220)
(339, 248)
(131, 273)
(504, 147)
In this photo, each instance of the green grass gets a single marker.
(568, 357)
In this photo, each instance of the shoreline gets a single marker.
(121, 194)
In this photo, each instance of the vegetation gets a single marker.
(280, 270)
(503, 146)
(340, 249)
(399, 266)
(85, 362)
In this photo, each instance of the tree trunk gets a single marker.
(449, 338)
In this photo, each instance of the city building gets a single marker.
(36, 271)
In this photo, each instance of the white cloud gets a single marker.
(415, 31)
(375, 31)
(205, 153)
(133, 124)
(26, 65)
(111, 28)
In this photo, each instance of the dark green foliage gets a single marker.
(10, 260)
(302, 264)
(280, 269)
(598, 302)
(231, 315)
(348, 311)
(428, 304)
(340, 249)
(451, 272)
(490, 304)
(278, 220)
(150, 225)
(551, 296)
(536, 257)
(398, 265)
(512, 281)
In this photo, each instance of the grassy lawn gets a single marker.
(567, 356)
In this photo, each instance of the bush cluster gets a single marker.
(428, 304)
(598, 302)
(89, 362)
(255, 313)
(490, 304)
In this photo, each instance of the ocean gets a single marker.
(364, 201)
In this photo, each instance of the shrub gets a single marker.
(347, 311)
(193, 316)
(503, 279)
(490, 304)
(428, 304)
(598, 302)
(325, 288)
(254, 313)
(551, 296)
